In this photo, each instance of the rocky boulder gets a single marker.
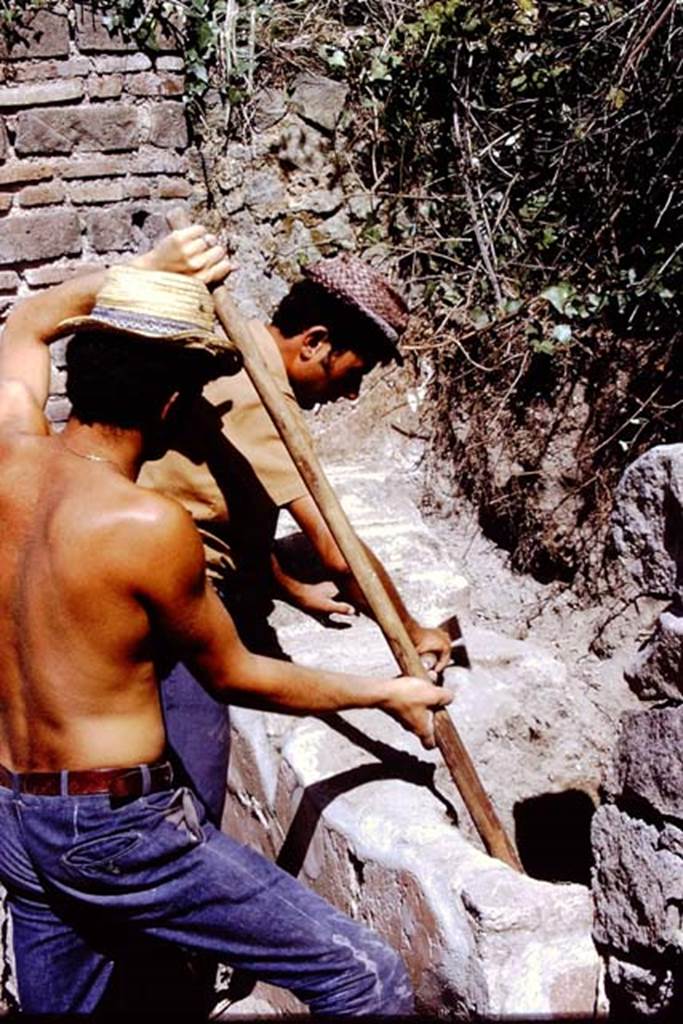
(648, 520)
(657, 670)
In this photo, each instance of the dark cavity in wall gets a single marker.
(358, 868)
(553, 836)
(139, 218)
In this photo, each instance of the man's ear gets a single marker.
(315, 343)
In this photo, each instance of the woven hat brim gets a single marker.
(389, 335)
(149, 328)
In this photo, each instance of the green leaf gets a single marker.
(336, 59)
(558, 295)
(543, 345)
(198, 71)
(617, 97)
(379, 72)
(479, 318)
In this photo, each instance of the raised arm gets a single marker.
(30, 327)
(428, 641)
(190, 616)
(24, 353)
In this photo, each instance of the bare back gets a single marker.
(78, 684)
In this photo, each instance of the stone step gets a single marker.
(381, 509)
(373, 822)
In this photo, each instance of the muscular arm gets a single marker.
(189, 614)
(308, 517)
(24, 353)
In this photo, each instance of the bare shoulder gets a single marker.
(138, 543)
(151, 519)
(161, 540)
(19, 410)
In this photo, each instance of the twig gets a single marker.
(635, 56)
(666, 262)
(643, 405)
(474, 214)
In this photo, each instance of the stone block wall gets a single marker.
(638, 833)
(94, 149)
(374, 823)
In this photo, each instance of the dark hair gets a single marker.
(125, 382)
(309, 303)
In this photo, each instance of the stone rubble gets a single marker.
(647, 526)
(638, 833)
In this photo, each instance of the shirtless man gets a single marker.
(99, 579)
(230, 469)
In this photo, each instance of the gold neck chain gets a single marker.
(92, 456)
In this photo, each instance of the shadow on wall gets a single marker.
(553, 836)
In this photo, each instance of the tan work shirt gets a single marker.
(231, 470)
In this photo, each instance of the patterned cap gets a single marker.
(359, 285)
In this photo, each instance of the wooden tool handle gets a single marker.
(294, 433)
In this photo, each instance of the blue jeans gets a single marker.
(198, 732)
(86, 876)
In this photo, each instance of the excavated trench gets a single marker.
(357, 808)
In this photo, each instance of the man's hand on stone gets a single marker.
(318, 599)
(192, 250)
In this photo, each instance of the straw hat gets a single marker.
(155, 305)
(359, 285)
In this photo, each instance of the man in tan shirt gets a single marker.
(233, 473)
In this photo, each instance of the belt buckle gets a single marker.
(130, 785)
(167, 774)
(127, 785)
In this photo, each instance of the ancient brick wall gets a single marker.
(94, 150)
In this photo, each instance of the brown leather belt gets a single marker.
(117, 782)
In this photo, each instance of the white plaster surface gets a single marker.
(373, 822)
